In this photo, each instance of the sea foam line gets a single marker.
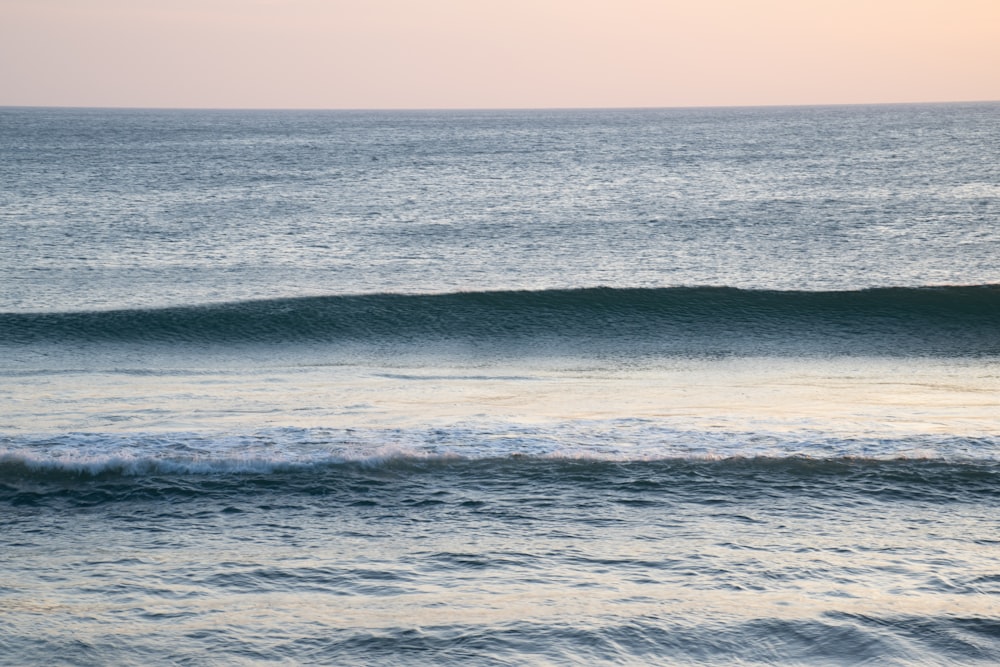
(623, 441)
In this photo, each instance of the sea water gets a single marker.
(681, 386)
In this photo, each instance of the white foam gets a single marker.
(621, 440)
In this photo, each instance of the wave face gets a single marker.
(951, 320)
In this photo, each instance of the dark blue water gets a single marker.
(713, 386)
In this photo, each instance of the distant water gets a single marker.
(705, 386)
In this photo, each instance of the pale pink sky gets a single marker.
(495, 53)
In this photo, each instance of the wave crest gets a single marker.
(952, 320)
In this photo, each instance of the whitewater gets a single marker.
(678, 386)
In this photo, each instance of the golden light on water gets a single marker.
(859, 396)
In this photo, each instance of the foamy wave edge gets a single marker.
(288, 450)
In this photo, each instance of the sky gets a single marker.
(432, 54)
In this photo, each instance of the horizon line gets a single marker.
(489, 109)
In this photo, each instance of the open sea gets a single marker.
(624, 387)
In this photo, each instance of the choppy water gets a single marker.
(630, 387)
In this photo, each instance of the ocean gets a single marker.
(556, 387)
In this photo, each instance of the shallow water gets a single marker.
(507, 560)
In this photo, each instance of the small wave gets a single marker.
(271, 451)
(951, 320)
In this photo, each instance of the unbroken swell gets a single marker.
(952, 320)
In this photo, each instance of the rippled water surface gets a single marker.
(509, 560)
(715, 386)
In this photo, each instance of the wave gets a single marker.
(944, 320)
(612, 442)
(37, 480)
